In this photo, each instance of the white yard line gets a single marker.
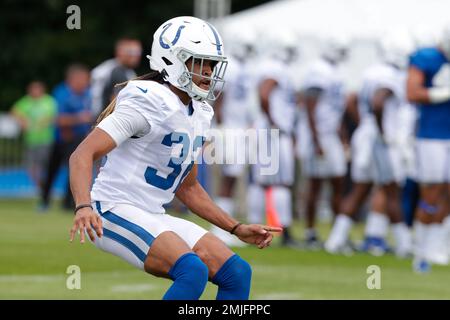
(134, 288)
(279, 296)
(5, 278)
(31, 278)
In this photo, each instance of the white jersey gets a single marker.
(330, 108)
(387, 160)
(282, 104)
(99, 76)
(235, 112)
(388, 77)
(146, 171)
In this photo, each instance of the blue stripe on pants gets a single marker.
(126, 243)
(130, 226)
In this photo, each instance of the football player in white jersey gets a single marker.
(377, 154)
(320, 146)
(278, 111)
(233, 114)
(151, 139)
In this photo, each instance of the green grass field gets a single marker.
(35, 253)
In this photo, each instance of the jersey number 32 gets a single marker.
(175, 163)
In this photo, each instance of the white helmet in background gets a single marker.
(424, 37)
(396, 47)
(184, 38)
(283, 45)
(444, 42)
(240, 44)
(335, 48)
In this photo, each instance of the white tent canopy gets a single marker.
(363, 21)
(355, 18)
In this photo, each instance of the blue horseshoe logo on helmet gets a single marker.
(177, 36)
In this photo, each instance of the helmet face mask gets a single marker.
(241, 44)
(215, 79)
(335, 47)
(194, 39)
(282, 44)
(398, 59)
(335, 52)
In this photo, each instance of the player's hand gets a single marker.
(256, 234)
(86, 220)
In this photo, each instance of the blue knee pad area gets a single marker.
(190, 276)
(428, 208)
(233, 279)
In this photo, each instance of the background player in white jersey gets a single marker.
(428, 86)
(320, 147)
(233, 115)
(119, 69)
(278, 111)
(377, 157)
(151, 140)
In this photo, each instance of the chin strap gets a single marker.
(196, 90)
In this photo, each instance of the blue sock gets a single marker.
(233, 279)
(410, 199)
(189, 275)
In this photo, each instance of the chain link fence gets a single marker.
(15, 181)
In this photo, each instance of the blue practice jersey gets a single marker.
(434, 119)
(71, 103)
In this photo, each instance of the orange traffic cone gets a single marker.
(271, 212)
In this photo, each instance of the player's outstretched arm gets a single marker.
(417, 92)
(97, 144)
(192, 194)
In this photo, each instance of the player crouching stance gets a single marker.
(151, 135)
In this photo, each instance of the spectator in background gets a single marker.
(73, 122)
(119, 69)
(36, 113)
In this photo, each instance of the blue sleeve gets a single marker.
(418, 60)
(60, 95)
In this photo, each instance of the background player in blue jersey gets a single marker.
(151, 135)
(428, 86)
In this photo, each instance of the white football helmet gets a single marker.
(241, 45)
(282, 44)
(183, 38)
(424, 37)
(444, 42)
(396, 47)
(335, 48)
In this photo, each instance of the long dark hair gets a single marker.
(153, 75)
